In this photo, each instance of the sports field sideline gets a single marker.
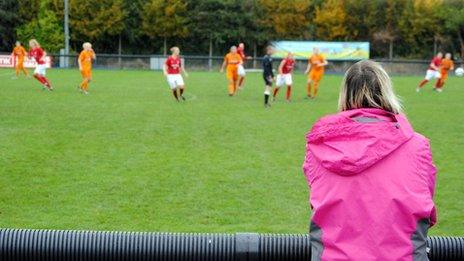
(128, 157)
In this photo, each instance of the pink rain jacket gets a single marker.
(372, 182)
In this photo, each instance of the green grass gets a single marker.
(127, 157)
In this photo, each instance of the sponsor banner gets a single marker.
(9, 61)
(330, 50)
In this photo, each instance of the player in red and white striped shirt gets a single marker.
(433, 72)
(241, 68)
(285, 75)
(39, 55)
(172, 70)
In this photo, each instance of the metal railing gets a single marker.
(213, 63)
(206, 63)
(26, 244)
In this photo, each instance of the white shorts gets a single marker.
(284, 79)
(175, 80)
(241, 70)
(40, 69)
(432, 74)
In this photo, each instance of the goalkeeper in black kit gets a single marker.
(268, 75)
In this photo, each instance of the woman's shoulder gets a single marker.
(419, 141)
(329, 121)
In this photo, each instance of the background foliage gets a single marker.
(407, 28)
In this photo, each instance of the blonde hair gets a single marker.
(174, 48)
(86, 45)
(34, 42)
(367, 85)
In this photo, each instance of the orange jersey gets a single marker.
(446, 65)
(232, 60)
(86, 58)
(314, 60)
(20, 52)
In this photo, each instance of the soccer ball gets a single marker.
(459, 72)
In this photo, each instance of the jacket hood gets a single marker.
(349, 142)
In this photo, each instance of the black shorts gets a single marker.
(267, 80)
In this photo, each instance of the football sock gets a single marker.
(39, 78)
(308, 89)
(181, 91)
(240, 83)
(231, 89)
(316, 86)
(174, 92)
(266, 99)
(276, 90)
(438, 83)
(422, 83)
(289, 92)
(83, 84)
(47, 83)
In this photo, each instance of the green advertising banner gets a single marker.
(330, 50)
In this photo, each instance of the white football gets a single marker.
(459, 72)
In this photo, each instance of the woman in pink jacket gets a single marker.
(371, 176)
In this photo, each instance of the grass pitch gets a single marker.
(127, 157)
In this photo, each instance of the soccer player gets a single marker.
(19, 53)
(447, 64)
(241, 68)
(315, 71)
(432, 71)
(231, 62)
(268, 75)
(39, 56)
(285, 76)
(172, 70)
(85, 66)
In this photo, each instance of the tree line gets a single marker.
(395, 28)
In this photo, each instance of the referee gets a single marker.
(268, 75)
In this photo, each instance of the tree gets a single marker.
(96, 20)
(452, 14)
(364, 19)
(28, 10)
(166, 19)
(418, 24)
(132, 35)
(221, 24)
(208, 18)
(389, 32)
(386, 36)
(285, 19)
(330, 20)
(8, 19)
(46, 28)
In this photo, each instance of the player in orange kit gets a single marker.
(231, 62)
(19, 53)
(85, 66)
(446, 65)
(315, 71)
